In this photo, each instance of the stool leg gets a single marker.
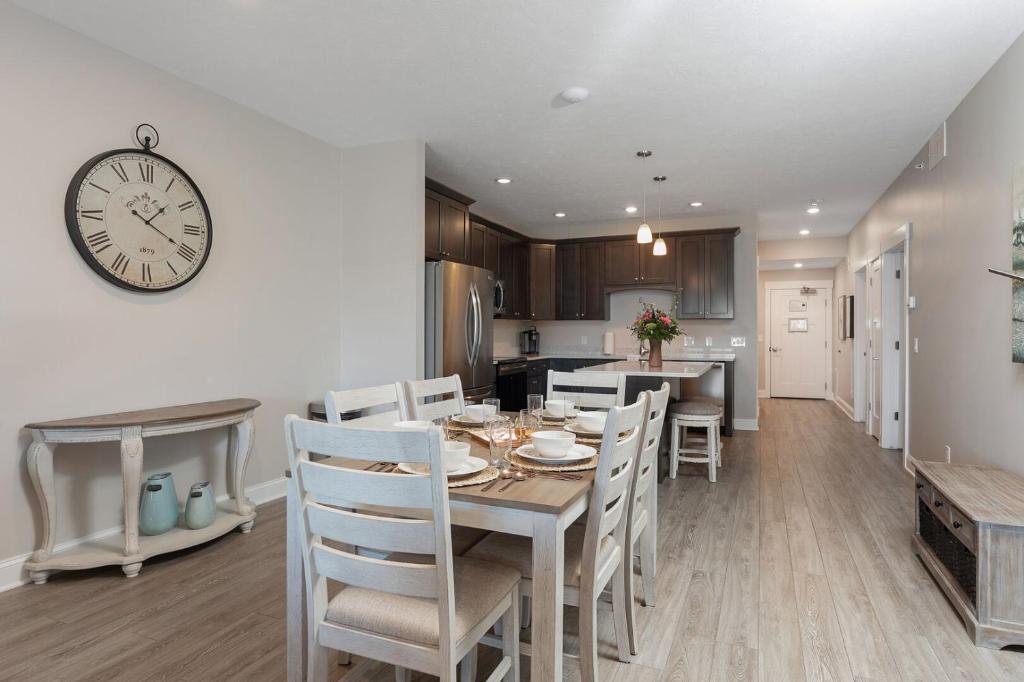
(718, 441)
(673, 461)
(712, 454)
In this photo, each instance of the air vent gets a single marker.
(937, 146)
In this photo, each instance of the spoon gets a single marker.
(517, 476)
(505, 473)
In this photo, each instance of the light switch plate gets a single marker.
(739, 341)
(915, 344)
(707, 341)
(688, 340)
(584, 340)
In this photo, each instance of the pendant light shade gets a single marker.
(660, 248)
(644, 234)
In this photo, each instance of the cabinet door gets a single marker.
(454, 231)
(592, 281)
(718, 298)
(691, 266)
(492, 251)
(521, 282)
(568, 277)
(432, 223)
(477, 244)
(542, 281)
(658, 269)
(621, 264)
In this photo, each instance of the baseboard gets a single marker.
(744, 424)
(763, 393)
(12, 573)
(844, 406)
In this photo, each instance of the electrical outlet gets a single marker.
(949, 455)
(583, 340)
(707, 341)
(915, 344)
(739, 341)
(688, 340)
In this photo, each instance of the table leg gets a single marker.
(240, 442)
(296, 597)
(131, 476)
(40, 470)
(548, 589)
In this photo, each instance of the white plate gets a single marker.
(576, 453)
(547, 415)
(472, 466)
(467, 420)
(573, 427)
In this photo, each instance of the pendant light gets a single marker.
(643, 233)
(660, 248)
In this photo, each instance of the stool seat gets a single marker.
(695, 408)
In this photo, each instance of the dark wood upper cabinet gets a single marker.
(542, 281)
(455, 231)
(621, 263)
(705, 276)
(719, 296)
(690, 268)
(658, 269)
(569, 303)
(592, 280)
(492, 251)
(477, 244)
(521, 281)
(432, 223)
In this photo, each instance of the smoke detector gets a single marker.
(574, 94)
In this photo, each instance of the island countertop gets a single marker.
(669, 368)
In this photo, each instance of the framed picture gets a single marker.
(845, 317)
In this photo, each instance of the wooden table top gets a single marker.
(986, 494)
(158, 415)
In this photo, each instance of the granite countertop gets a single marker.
(696, 355)
(680, 370)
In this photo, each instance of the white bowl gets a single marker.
(592, 422)
(553, 443)
(558, 408)
(456, 454)
(479, 412)
(413, 425)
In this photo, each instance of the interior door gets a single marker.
(797, 344)
(874, 312)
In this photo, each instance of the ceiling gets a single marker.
(748, 105)
(805, 263)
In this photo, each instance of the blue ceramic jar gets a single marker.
(200, 507)
(158, 508)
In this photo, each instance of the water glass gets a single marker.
(501, 436)
(528, 423)
(535, 403)
(495, 402)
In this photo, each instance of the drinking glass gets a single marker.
(528, 423)
(496, 402)
(502, 436)
(535, 403)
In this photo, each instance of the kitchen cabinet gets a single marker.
(484, 247)
(592, 282)
(542, 281)
(628, 264)
(705, 276)
(432, 222)
(514, 271)
(537, 377)
(580, 278)
(446, 224)
(658, 269)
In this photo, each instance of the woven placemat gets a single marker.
(531, 465)
(484, 476)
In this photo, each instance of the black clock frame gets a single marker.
(71, 220)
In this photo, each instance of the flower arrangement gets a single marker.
(654, 324)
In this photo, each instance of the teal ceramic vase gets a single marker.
(158, 509)
(200, 507)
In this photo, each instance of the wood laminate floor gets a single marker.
(796, 565)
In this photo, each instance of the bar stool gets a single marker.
(702, 414)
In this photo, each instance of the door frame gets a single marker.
(860, 326)
(827, 285)
(899, 241)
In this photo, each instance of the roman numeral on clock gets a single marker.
(185, 206)
(187, 252)
(120, 263)
(99, 241)
(193, 230)
(146, 171)
(172, 268)
(119, 169)
(94, 213)
(147, 276)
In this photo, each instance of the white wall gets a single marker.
(260, 321)
(965, 391)
(382, 263)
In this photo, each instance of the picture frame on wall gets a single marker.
(845, 317)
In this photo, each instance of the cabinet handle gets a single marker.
(938, 503)
(957, 524)
(920, 485)
(636, 279)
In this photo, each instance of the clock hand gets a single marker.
(155, 215)
(137, 215)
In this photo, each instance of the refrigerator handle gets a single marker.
(479, 323)
(470, 326)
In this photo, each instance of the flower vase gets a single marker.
(654, 360)
(200, 509)
(158, 505)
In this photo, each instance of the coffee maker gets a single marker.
(529, 341)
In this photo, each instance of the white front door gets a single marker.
(797, 347)
(874, 312)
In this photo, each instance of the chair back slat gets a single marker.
(384, 533)
(425, 398)
(648, 462)
(330, 484)
(379, 405)
(353, 442)
(578, 387)
(412, 580)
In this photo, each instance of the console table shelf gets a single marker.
(970, 537)
(129, 550)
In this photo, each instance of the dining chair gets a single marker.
(578, 387)
(593, 558)
(380, 405)
(430, 399)
(417, 608)
(642, 516)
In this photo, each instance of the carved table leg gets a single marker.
(240, 442)
(40, 470)
(131, 475)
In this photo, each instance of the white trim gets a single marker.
(829, 332)
(844, 406)
(860, 327)
(744, 424)
(762, 393)
(13, 575)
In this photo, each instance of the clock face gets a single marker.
(138, 220)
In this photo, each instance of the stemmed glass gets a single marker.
(501, 435)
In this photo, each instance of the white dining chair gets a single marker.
(424, 614)
(642, 516)
(577, 386)
(430, 399)
(380, 405)
(593, 558)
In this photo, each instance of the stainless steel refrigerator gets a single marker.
(460, 326)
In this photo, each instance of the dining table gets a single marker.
(540, 508)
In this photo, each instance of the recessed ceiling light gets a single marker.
(631, 209)
(798, 265)
(574, 94)
(503, 181)
(559, 214)
(814, 208)
(696, 204)
(805, 232)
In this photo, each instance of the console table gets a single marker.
(970, 536)
(130, 550)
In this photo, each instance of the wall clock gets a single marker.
(138, 219)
